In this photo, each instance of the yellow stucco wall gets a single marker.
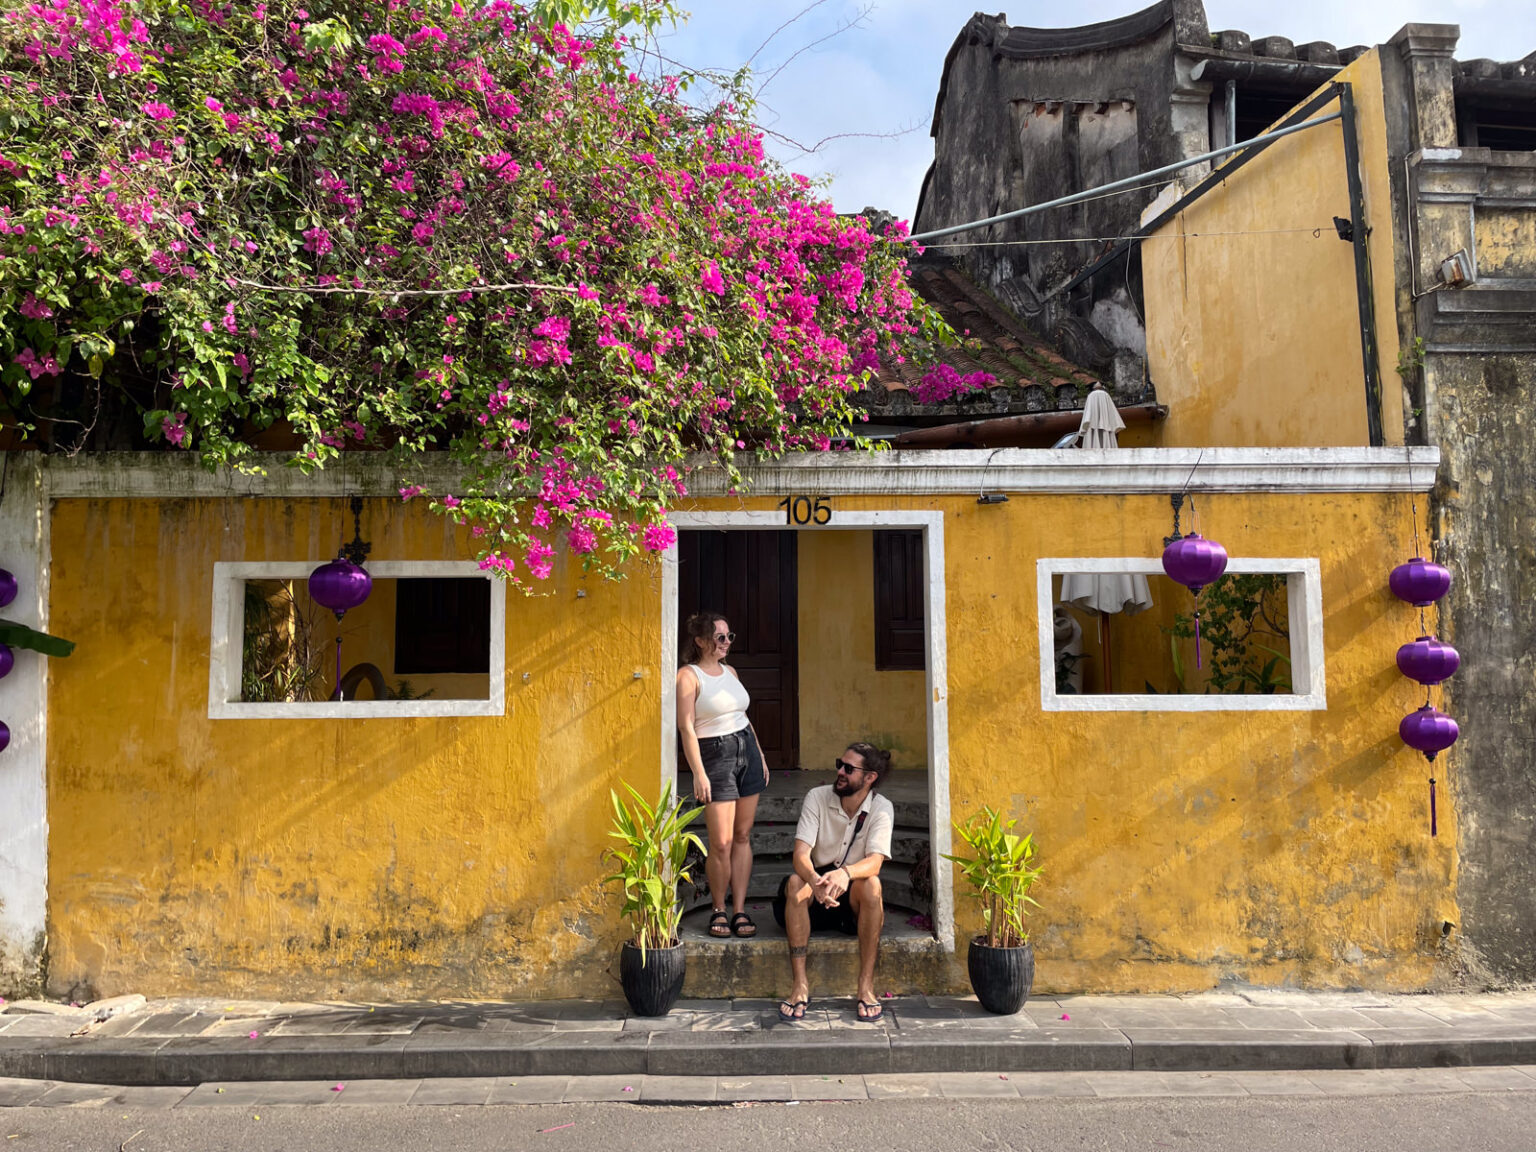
(1253, 334)
(461, 857)
(842, 696)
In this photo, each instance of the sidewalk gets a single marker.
(187, 1042)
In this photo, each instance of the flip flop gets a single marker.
(741, 925)
(719, 923)
(869, 1011)
(796, 1010)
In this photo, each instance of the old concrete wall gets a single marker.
(1010, 132)
(1479, 381)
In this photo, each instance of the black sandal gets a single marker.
(719, 923)
(792, 1010)
(742, 926)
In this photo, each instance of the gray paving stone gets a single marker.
(128, 1060)
(1116, 1084)
(1052, 1083)
(376, 1092)
(1276, 1083)
(590, 1089)
(828, 1088)
(683, 1090)
(194, 1059)
(213, 1094)
(1423, 1080)
(1251, 1017)
(1223, 1049)
(17, 1092)
(902, 1085)
(437, 1054)
(1496, 1079)
(1036, 1050)
(591, 1053)
(729, 1020)
(150, 1097)
(75, 1096)
(1445, 1046)
(1369, 1083)
(792, 1050)
(1401, 1018)
(530, 1090)
(459, 1090)
(974, 1085)
(298, 1092)
(753, 1088)
(1349, 1019)
(44, 1026)
(175, 1024)
(672, 1022)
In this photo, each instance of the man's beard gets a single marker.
(845, 787)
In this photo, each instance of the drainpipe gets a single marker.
(1231, 112)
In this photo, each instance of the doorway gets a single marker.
(695, 567)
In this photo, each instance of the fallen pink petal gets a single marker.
(339, 1088)
(254, 1035)
(1064, 1016)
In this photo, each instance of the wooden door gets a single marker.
(750, 578)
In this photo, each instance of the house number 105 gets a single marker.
(806, 510)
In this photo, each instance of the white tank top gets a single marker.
(721, 707)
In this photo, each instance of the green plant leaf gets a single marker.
(21, 636)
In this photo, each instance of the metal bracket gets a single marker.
(357, 549)
(1177, 500)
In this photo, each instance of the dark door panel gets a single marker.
(751, 578)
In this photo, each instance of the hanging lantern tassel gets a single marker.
(338, 666)
(1198, 664)
(1433, 830)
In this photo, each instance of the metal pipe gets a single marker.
(1128, 182)
(1358, 236)
(1231, 112)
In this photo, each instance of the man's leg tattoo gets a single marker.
(797, 950)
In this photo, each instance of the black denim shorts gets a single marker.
(734, 765)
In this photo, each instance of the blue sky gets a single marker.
(874, 84)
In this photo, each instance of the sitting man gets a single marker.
(843, 838)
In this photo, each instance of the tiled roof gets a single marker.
(1031, 376)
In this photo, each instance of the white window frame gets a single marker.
(932, 526)
(228, 633)
(1304, 595)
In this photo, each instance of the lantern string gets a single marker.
(1198, 663)
(1433, 822)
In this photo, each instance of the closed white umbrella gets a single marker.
(1104, 593)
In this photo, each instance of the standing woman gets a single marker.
(727, 762)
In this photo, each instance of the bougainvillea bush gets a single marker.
(418, 227)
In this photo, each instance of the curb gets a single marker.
(184, 1061)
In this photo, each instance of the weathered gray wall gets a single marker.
(1010, 132)
(1473, 381)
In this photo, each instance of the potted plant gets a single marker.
(653, 842)
(999, 870)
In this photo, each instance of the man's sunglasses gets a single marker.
(725, 637)
(845, 767)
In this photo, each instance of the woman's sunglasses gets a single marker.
(725, 637)
(845, 767)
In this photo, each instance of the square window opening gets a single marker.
(1118, 634)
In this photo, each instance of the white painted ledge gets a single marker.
(129, 475)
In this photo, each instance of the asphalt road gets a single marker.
(1472, 1121)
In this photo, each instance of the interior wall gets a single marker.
(842, 696)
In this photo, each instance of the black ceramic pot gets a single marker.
(653, 987)
(1001, 977)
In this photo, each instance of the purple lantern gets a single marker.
(339, 585)
(7, 587)
(1419, 582)
(1428, 730)
(7, 660)
(1194, 561)
(5, 736)
(1428, 661)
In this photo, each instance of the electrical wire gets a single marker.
(1317, 233)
